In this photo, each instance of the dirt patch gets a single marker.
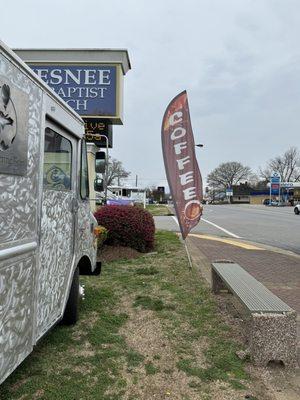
(113, 253)
(281, 383)
(84, 369)
(85, 351)
(38, 394)
(20, 383)
(145, 334)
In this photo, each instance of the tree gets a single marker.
(287, 166)
(115, 171)
(228, 174)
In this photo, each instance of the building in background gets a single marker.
(130, 194)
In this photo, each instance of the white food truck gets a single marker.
(47, 235)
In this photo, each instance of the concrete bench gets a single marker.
(272, 324)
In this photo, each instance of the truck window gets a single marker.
(57, 161)
(84, 174)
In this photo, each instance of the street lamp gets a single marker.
(199, 145)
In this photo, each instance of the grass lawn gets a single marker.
(148, 329)
(158, 209)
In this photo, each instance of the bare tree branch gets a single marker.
(287, 166)
(228, 174)
(116, 171)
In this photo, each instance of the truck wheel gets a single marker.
(71, 312)
(296, 211)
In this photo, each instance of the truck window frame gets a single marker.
(84, 178)
(70, 163)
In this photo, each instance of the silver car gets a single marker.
(297, 209)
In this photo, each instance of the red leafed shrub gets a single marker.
(129, 226)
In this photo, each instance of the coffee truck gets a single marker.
(47, 230)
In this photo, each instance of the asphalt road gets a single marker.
(274, 226)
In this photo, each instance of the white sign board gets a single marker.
(290, 185)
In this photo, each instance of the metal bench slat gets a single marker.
(255, 296)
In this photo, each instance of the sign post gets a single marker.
(229, 193)
(96, 130)
(274, 186)
(106, 169)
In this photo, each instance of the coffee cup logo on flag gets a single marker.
(181, 165)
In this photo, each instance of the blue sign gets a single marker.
(275, 179)
(275, 185)
(91, 90)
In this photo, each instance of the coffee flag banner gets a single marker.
(181, 165)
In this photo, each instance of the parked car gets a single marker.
(297, 209)
(275, 203)
(268, 202)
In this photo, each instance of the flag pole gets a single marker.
(188, 255)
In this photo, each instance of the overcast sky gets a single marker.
(239, 61)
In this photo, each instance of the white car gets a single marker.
(297, 209)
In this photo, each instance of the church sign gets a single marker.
(88, 80)
(91, 90)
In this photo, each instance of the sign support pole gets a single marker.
(106, 169)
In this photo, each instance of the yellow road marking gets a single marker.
(243, 245)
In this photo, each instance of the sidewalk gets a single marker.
(279, 272)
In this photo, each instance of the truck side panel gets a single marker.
(19, 217)
(57, 245)
(56, 258)
(86, 224)
(19, 194)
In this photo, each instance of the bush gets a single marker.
(129, 226)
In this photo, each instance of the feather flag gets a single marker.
(181, 165)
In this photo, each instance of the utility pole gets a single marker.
(136, 180)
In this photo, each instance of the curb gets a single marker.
(267, 247)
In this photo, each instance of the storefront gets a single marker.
(290, 192)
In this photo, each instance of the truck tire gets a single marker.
(71, 312)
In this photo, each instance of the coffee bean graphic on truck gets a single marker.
(14, 104)
(8, 119)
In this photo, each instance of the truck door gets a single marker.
(57, 226)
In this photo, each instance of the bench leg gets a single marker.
(217, 283)
(273, 337)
